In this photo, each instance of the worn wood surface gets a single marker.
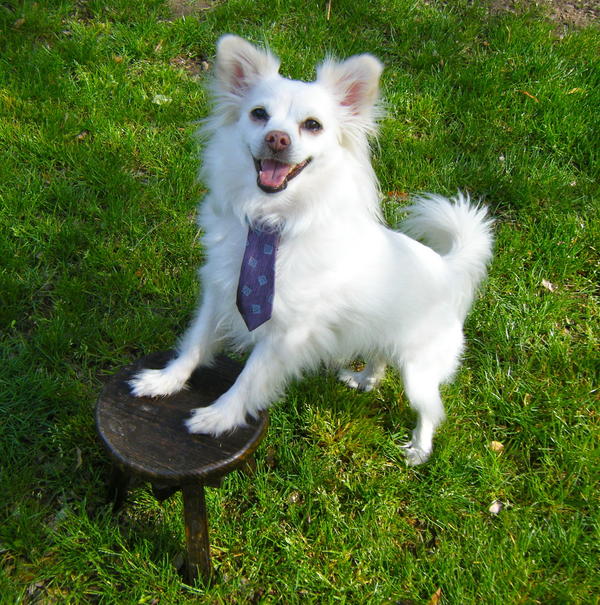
(147, 436)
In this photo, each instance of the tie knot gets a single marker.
(263, 226)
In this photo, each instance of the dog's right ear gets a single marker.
(240, 64)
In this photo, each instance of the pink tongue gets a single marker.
(272, 173)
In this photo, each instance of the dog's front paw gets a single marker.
(213, 420)
(155, 383)
(363, 381)
(414, 455)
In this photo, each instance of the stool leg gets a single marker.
(196, 532)
(117, 487)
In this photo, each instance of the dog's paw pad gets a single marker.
(154, 383)
(358, 380)
(414, 455)
(212, 420)
(348, 378)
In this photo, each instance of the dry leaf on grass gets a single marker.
(548, 285)
(496, 446)
(398, 196)
(436, 597)
(528, 94)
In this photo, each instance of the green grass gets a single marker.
(98, 260)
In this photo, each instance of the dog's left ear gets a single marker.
(355, 82)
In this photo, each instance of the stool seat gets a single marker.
(146, 438)
(147, 434)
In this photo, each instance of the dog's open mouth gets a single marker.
(273, 176)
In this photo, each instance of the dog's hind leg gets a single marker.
(422, 390)
(367, 379)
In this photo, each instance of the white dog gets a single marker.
(290, 161)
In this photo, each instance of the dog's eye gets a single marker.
(260, 114)
(312, 125)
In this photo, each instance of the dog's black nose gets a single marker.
(277, 140)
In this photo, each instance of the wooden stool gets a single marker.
(146, 438)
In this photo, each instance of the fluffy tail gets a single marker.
(458, 230)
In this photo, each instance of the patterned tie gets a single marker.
(257, 277)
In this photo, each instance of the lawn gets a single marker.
(99, 101)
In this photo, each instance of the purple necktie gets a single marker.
(257, 277)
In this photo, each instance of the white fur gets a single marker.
(346, 285)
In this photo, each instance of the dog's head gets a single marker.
(289, 127)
